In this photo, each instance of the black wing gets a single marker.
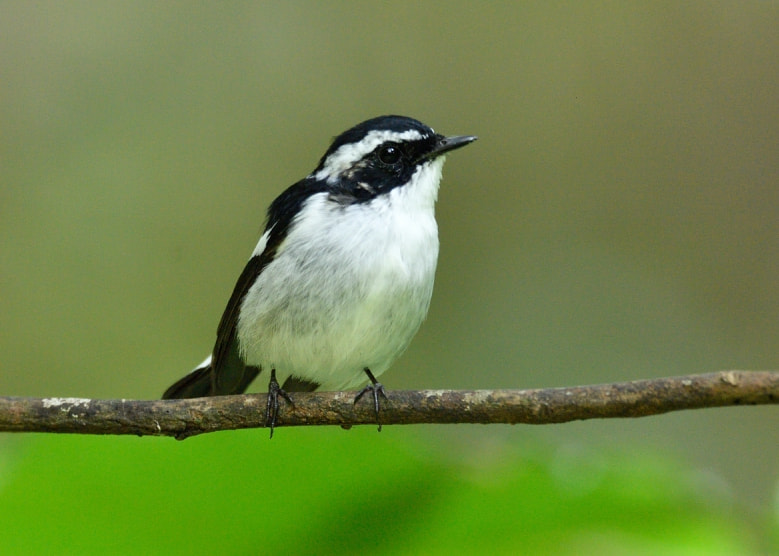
(228, 366)
(230, 373)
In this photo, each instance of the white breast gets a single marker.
(349, 287)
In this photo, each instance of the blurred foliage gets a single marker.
(617, 219)
(331, 491)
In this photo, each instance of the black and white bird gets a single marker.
(342, 277)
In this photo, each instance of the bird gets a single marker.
(342, 276)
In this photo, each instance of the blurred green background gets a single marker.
(616, 220)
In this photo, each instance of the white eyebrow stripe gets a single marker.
(347, 155)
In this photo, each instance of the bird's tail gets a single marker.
(197, 384)
(205, 381)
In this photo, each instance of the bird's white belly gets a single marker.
(325, 310)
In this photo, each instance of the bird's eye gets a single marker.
(389, 154)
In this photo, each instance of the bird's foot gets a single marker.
(376, 389)
(272, 411)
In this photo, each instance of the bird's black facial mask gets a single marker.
(390, 165)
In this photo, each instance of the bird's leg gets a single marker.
(376, 388)
(272, 411)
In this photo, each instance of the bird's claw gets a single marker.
(377, 389)
(272, 410)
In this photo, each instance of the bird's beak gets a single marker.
(445, 144)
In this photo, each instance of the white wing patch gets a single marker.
(262, 243)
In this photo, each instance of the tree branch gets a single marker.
(184, 418)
